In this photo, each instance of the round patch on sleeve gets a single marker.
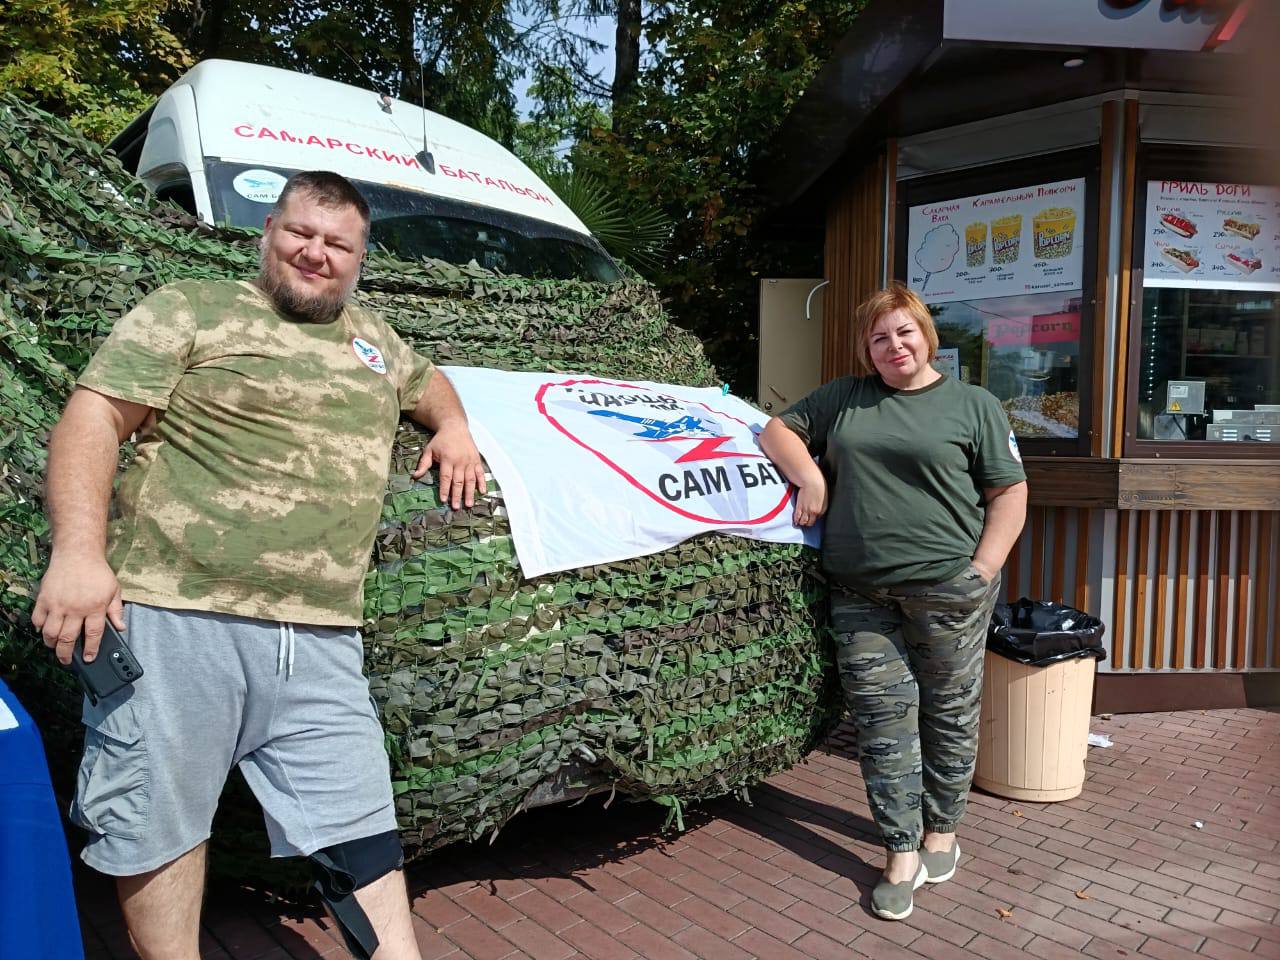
(1013, 447)
(371, 356)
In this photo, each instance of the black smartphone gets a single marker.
(113, 668)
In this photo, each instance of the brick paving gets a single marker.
(1171, 852)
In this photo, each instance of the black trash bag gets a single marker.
(1037, 632)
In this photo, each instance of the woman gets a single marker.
(924, 493)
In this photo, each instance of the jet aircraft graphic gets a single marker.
(654, 429)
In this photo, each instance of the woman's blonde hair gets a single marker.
(896, 296)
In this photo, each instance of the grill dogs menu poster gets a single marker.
(1225, 236)
(1005, 244)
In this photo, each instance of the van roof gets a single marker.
(279, 118)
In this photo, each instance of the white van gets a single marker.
(224, 138)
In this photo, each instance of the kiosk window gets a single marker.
(1025, 350)
(999, 258)
(1209, 363)
(1209, 367)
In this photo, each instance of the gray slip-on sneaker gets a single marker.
(941, 866)
(894, 901)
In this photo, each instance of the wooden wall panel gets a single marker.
(1084, 523)
(854, 256)
(1265, 591)
(1175, 485)
(1183, 590)
(1180, 595)
(1057, 565)
(1128, 203)
(1013, 570)
(1058, 539)
(1244, 559)
(1198, 485)
(1072, 481)
(1221, 595)
(1141, 582)
(1120, 613)
(1197, 590)
(1103, 282)
(1199, 657)
(1162, 589)
(1036, 586)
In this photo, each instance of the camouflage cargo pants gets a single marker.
(910, 662)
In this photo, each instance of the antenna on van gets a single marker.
(384, 100)
(424, 156)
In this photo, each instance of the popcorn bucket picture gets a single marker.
(975, 244)
(1006, 238)
(1052, 232)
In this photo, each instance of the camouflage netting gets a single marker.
(683, 675)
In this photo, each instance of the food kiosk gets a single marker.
(1084, 194)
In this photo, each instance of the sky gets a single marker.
(601, 30)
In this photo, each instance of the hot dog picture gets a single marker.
(1246, 261)
(1184, 260)
(1242, 228)
(1176, 223)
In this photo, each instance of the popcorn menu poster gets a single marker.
(1011, 243)
(1220, 235)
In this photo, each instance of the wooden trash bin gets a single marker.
(1034, 729)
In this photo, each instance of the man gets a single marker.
(268, 411)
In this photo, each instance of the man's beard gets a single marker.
(309, 308)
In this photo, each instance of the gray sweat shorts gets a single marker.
(287, 703)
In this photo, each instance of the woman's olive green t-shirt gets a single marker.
(905, 471)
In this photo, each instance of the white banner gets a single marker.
(1005, 244)
(1221, 236)
(596, 470)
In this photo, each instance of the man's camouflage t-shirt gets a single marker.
(259, 488)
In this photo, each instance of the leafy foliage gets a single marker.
(719, 79)
(98, 64)
(632, 232)
(459, 59)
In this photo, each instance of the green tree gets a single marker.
(459, 59)
(97, 64)
(718, 79)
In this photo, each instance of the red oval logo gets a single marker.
(701, 463)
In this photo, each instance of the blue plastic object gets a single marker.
(38, 919)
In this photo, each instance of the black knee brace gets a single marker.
(344, 868)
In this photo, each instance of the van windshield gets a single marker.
(412, 225)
